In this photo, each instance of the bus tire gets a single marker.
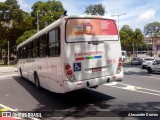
(36, 80)
(20, 71)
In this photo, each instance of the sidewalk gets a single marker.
(5, 69)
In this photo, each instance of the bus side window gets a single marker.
(19, 53)
(42, 46)
(54, 42)
(24, 52)
(35, 48)
(29, 50)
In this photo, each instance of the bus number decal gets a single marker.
(77, 67)
(110, 61)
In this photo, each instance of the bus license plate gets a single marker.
(96, 69)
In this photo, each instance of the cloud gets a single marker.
(146, 17)
(24, 5)
(2, 0)
(143, 17)
(76, 8)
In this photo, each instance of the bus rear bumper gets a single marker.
(91, 83)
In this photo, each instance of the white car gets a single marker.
(124, 56)
(154, 67)
(147, 61)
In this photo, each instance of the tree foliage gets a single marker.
(138, 36)
(47, 12)
(124, 39)
(13, 22)
(97, 9)
(25, 36)
(152, 29)
(130, 38)
(17, 25)
(13, 3)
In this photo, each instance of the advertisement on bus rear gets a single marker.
(91, 30)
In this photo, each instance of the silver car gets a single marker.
(154, 67)
(136, 61)
(147, 61)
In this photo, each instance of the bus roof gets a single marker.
(56, 23)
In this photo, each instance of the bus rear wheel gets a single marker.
(36, 80)
(20, 70)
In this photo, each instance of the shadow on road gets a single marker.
(80, 102)
(83, 103)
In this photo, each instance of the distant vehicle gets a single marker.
(124, 55)
(155, 67)
(136, 61)
(72, 53)
(147, 61)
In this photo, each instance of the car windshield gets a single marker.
(134, 58)
(158, 61)
(149, 59)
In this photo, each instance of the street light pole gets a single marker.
(2, 55)
(37, 21)
(118, 15)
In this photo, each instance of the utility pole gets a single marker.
(118, 15)
(8, 52)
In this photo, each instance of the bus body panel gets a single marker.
(107, 64)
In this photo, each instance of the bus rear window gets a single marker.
(79, 30)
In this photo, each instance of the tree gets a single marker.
(47, 12)
(25, 36)
(130, 38)
(13, 3)
(138, 38)
(124, 37)
(126, 34)
(152, 30)
(97, 9)
(13, 22)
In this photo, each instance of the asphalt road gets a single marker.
(139, 91)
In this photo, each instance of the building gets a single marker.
(156, 44)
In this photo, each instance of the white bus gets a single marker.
(72, 53)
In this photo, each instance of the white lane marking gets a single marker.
(112, 83)
(4, 76)
(127, 71)
(134, 88)
(141, 88)
(16, 110)
(7, 107)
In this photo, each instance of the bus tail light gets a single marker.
(69, 73)
(119, 68)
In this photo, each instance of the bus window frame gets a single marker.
(58, 28)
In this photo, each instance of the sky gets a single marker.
(135, 13)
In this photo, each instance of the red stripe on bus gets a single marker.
(79, 58)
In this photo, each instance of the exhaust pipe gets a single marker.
(108, 80)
